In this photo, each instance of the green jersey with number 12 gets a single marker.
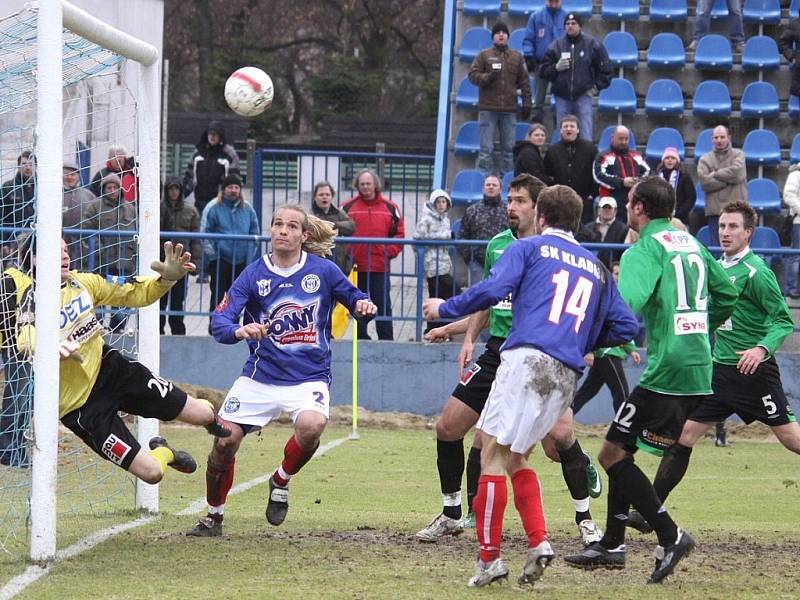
(500, 313)
(683, 293)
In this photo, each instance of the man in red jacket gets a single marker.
(379, 217)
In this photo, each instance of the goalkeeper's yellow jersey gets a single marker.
(79, 324)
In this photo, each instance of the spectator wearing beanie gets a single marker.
(671, 170)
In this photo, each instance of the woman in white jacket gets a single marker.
(791, 196)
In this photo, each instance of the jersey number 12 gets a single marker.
(576, 304)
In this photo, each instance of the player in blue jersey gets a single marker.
(565, 305)
(287, 297)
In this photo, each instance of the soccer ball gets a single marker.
(249, 91)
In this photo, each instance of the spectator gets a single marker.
(499, 72)
(723, 177)
(124, 167)
(211, 162)
(529, 153)
(76, 204)
(606, 229)
(116, 254)
(569, 162)
(482, 221)
(322, 207)
(789, 46)
(177, 215)
(681, 181)
(17, 199)
(791, 196)
(230, 215)
(545, 25)
(703, 23)
(618, 170)
(434, 224)
(375, 216)
(575, 64)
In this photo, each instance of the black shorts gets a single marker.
(127, 386)
(650, 421)
(475, 385)
(756, 397)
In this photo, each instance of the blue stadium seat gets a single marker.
(481, 8)
(473, 41)
(521, 131)
(700, 203)
(794, 151)
(712, 98)
(581, 7)
(468, 139)
(619, 97)
(621, 48)
(760, 54)
(794, 6)
(664, 97)
(763, 196)
(515, 39)
(703, 144)
(467, 187)
(760, 99)
(467, 94)
(666, 52)
(713, 53)
(668, 10)
(761, 147)
(704, 236)
(523, 8)
(663, 137)
(762, 11)
(620, 10)
(604, 143)
(504, 183)
(794, 106)
(719, 10)
(765, 237)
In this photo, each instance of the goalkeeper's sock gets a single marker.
(294, 458)
(219, 478)
(490, 505)
(164, 456)
(528, 502)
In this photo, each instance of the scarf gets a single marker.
(673, 177)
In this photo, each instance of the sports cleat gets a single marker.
(441, 526)
(590, 533)
(538, 560)
(468, 522)
(217, 429)
(206, 527)
(593, 479)
(182, 462)
(597, 557)
(638, 522)
(683, 546)
(658, 555)
(278, 504)
(486, 573)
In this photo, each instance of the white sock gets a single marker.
(581, 505)
(216, 510)
(453, 499)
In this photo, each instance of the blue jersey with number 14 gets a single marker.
(565, 302)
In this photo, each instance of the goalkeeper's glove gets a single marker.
(175, 265)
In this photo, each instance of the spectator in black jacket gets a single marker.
(606, 229)
(685, 192)
(17, 198)
(529, 153)
(211, 162)
(322, 207)
(789, 46)
(569, 162)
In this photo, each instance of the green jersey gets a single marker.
(618, 351)
(683, 293)
(500, 313)
(760, 318)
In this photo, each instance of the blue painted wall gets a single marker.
(393, 376)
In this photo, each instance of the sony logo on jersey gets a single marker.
(676, 241)
(74, 309)
(293, 323)
(691, 322)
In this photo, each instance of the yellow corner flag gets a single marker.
(341, 316)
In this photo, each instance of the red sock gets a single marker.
(294, 458)
(528, 500)
(219, 478)
(489, 506)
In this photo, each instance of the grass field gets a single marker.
(349, 533)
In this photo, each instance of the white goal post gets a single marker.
(53, 17)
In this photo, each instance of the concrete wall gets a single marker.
(393, 376)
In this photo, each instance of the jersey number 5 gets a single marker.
(576, 304)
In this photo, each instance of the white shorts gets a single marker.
(251, 402)
(530, 392)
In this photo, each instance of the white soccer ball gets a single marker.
(249, 91)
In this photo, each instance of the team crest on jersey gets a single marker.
(310, 283)
(232, 404)
(292, 323)
(264, 286)
(691, 322)
(115, 449)
(676, 241)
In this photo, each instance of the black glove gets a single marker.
(525, 113)
(530, 62)
(492, 76)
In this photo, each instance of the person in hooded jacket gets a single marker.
(434, 224)
(212, 161)
(529, 153)
(76, 203)
(177, 215)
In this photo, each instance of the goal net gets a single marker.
(83, 163)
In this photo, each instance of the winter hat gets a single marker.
(500, 26)
(671, 151)
(110, 178)
(232, 179)
(573, 17)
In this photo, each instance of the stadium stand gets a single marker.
(467, 187)
(794, 151)
(760, 99)
(764, 196)
(712, 98)
(523, 8)
(761, 11)
(621, 48)
(761, 54)
(468, 139)
(481, 8)
(762, 148)
(668, 10)
(713, 53)
(664, 97)
(619, 97)
(620, 10)
(661, 138)
(467, 94)
(474, 40)
(666, 52)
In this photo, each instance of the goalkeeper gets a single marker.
(97, 381)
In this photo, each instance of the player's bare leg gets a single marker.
(198, 411)
(300, 448)
(789, 436)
